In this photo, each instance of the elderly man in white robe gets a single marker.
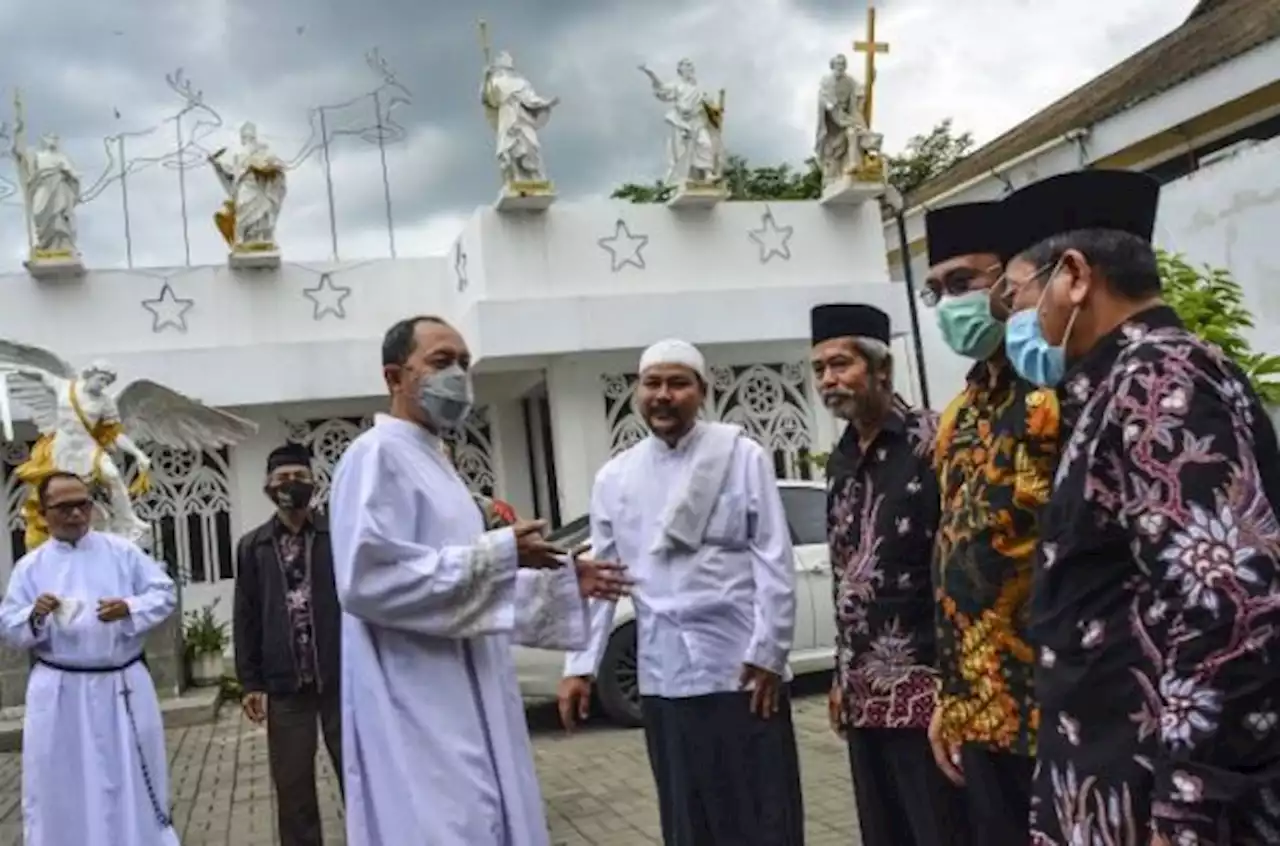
(94, 769)
(434, 743)
(695, 513)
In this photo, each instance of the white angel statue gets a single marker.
(81, 424)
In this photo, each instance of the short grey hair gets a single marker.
(874, 350)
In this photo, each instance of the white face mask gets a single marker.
(447, 397)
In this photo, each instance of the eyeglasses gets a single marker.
(66, 509)
(955, 283)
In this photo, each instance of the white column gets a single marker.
(575, 393)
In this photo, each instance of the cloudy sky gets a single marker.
(89, 70)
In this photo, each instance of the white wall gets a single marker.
(1228, 215)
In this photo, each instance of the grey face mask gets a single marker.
(446, 397)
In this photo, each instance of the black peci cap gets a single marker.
(848, 320)
(965, 229)
(1121, 200)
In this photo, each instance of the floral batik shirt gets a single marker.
(1157, 602)
(294, 552)
(882, 513)
(996, 453)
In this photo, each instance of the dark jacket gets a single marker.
(263, 635)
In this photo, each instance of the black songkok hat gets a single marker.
(848, 320)
(965, 229)
(288, 454)
(1122, 200)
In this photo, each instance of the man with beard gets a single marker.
(1156, 610)
(695, 513)
(997, 448)
(882, 514)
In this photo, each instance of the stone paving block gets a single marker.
(596, 784)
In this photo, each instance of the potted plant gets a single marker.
(205, 637)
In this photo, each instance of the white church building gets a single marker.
(555, 305)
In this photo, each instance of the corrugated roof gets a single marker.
(1216, 31)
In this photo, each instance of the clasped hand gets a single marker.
(109, 610)
(596, 579)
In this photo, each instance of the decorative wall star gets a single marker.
(624, 248)
(327, 298)
(460, 266)
(772, 238)
(168, 310)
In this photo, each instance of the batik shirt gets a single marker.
(882, 513)
(997, 449)
(1157, 602)
(293, 551)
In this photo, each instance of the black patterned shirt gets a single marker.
(1157, 601)
(882, 514)
(293, 550)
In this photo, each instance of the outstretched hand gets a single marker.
(602, 579)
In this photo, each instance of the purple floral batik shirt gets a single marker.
(1156, 603)
(882, 516)
(294, 552)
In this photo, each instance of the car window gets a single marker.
(806, 513)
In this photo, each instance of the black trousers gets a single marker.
(997, 787)
(903, 798)
(291, 748)
(725, 777)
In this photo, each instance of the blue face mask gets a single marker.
(1029, 353)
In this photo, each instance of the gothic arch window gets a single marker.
(328, 438)
(769, 401)
(188, 507)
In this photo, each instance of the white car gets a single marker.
(540, 670)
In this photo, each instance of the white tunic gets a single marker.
(435, 747)
(699, 616)
(82, 778)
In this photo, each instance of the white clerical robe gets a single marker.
(700, 615)
(86, 762)
(435, 747)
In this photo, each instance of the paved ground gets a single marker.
(596, 785)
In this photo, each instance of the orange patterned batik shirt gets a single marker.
(996, 454)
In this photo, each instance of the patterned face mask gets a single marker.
(968, 326)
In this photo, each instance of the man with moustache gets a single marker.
(1156, 606)
(882, 514)
(695, 513)
(996, 451)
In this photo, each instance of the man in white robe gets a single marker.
(435, 748)
(694, 511)
(94, 768)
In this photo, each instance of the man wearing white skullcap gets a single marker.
(694, 512)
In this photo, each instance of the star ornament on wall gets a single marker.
(623, 247)
(772, 239)
(460, 266)
(327, 298)
(168, 310)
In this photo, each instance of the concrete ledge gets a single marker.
(198, 706)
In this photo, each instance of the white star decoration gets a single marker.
(460, 266)
(168, 310)
(772, 238)
(327, 298)
(624, 248)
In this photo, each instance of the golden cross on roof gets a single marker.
(870, 47)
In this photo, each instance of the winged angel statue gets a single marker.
(81, 424)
